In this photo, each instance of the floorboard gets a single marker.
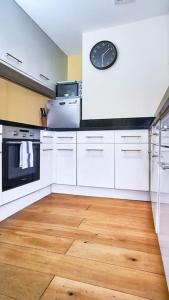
(77, 247)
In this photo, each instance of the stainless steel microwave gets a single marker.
(69, 89)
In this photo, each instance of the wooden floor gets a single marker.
(74, 247)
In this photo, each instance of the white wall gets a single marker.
(134, 86)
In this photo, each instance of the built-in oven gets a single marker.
(13, 175)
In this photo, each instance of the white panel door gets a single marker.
(65, 164)
(46, 165)
(132, 167)
(154, 188)
(95, 165)
(164, 210)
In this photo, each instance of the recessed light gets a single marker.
(119, 2)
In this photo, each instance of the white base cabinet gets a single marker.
(132, 167)
(95, 165)
(65, 164)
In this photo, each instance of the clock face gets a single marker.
(103, 55)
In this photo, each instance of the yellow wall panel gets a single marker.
(20, 104)
(74, 67)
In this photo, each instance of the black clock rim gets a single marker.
(113, 62)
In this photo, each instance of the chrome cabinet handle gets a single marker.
(65, 149)
(45, 77)
(131, 136)
(48, 149)
(46, 136)
(95, 137)
(95, 150)
(15, 58)
(131, 150)
(155, 155)
(164, 166)
(65, 137)
(165, 128)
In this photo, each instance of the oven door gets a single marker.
(12, 175)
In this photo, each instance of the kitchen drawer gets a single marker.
(131, 136)
(47, 146)
(132, 167)
(65, 137)
(0, 129)
(95, 137)
(47, 137)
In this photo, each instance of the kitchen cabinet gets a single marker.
(95, 137)
(132, 167)
(65, 164)
(0, 164)
(95, 165)
(131, 136)
(154, 186)
(26, 48)
(66, 137)
(163, 233)
(46, 158)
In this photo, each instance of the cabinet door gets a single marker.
(164, 210)
(154, 187)
(46, 164)
(65, 164)
(95, 165)
(132, 167)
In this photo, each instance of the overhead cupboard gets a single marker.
(27, 49)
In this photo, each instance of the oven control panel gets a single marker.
(10, 132)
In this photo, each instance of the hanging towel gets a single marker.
(30, 154)
(23, 155)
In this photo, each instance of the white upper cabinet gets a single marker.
(95, 165)
(132, 167)
(25, 47)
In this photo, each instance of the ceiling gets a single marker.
(64, 21)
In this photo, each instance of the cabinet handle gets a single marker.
(15, 58)
(46, 136)
(48, 149)
(155, 155)
(131, 150)
(165, 128)
(65, 149)
(65, 137)
(131, 136)
(94, 137)
(95, 150)
(164, 166)
(45, 77)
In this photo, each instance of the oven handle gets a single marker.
(38, 143)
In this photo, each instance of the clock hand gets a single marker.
(104, 55)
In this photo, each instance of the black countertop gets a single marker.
(97, 124)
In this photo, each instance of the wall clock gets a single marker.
(103, 55)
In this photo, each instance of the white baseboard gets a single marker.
(11, 208)
(101, 192)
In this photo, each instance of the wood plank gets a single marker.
(64, 289)
(134, 282)
(22, 284)
(90, 200)
(35, 240)
(2, 297)
(47, 218)
(132, 240)
(117, 256)
(99, 226)
(143, 223)
(48, 229)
